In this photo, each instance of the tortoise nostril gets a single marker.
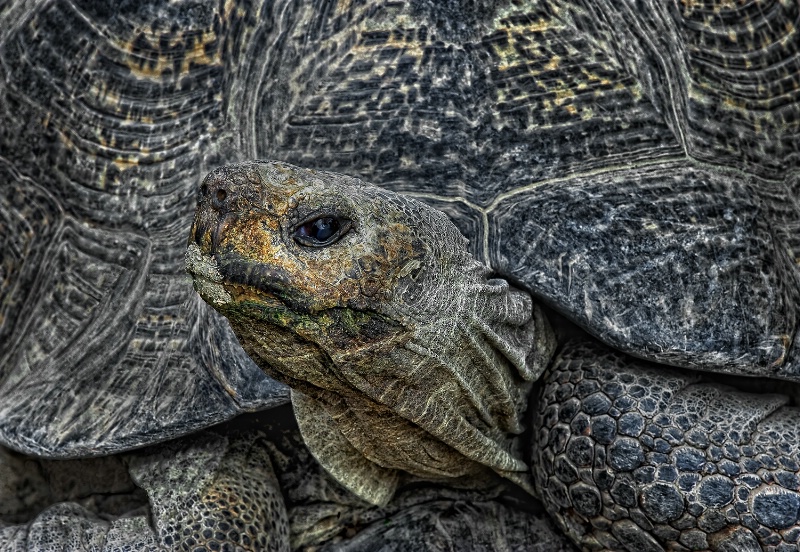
(204, 190)
(221, 195)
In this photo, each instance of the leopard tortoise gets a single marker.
(631, 167)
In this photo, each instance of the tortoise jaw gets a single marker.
(206, 277)
(239, 271)
(228, 278)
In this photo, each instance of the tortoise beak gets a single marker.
(271, 280)
(225, 194)
(209, 229)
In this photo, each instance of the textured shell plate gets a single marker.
(634, 165)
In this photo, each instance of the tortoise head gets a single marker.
(304, 238)
(369, 305)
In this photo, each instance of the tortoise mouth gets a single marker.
(269, 280)
(228, 278)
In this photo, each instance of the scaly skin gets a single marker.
(630, 455)
(205, 492)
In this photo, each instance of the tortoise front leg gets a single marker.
(629, 455)
(211, 492)
(204, 492)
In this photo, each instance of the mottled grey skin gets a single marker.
(199, 493)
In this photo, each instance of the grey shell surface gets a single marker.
(634, 165)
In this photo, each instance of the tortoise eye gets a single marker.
(322, 231)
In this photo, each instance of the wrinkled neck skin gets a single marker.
(408, 357)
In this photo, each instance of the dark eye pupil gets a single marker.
(321, 229)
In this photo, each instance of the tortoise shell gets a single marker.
(634, 167)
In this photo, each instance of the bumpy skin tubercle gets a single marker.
(233, 500)
(204, 492)
(393, 333)
(634, 456)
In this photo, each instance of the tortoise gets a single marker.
(634, 167)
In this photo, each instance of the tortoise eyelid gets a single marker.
(321, 230)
